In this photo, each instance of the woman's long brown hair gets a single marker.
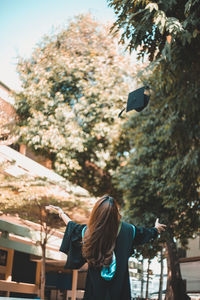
(100, 236)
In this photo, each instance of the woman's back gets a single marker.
(117, 288)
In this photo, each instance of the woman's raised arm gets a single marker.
(58, 210)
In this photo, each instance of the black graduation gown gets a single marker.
(98, 288)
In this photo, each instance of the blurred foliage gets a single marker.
(73, 89)
(151, 26)
(27, 196)
(162, 176)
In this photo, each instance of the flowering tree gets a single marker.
(74, 85)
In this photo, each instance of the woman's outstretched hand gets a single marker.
(55, 209)
(160, 227)
(58, 210)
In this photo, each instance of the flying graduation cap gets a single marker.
(137, 100)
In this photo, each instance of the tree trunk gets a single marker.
(176, 289)
(42, 287)
(161, 275)
(147, 284)
(142, 279)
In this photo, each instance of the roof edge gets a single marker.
(5, 86)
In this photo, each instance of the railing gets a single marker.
(18, 287)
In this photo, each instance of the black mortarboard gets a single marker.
(137, 100)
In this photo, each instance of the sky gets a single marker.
(24, 22)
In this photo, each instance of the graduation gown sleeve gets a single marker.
(72, 245)
(144, 235)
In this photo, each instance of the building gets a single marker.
(7, 114)
(136, 274)
(8, 118)
(190, 267)
(20, 263)
(19, 238)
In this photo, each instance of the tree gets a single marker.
(148, 277)
(162, 173)
(156, 182)
(142, 279)
(159, 181)
(73, 88)
(160, 293)
(153, 28)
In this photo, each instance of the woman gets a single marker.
(106, 244)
